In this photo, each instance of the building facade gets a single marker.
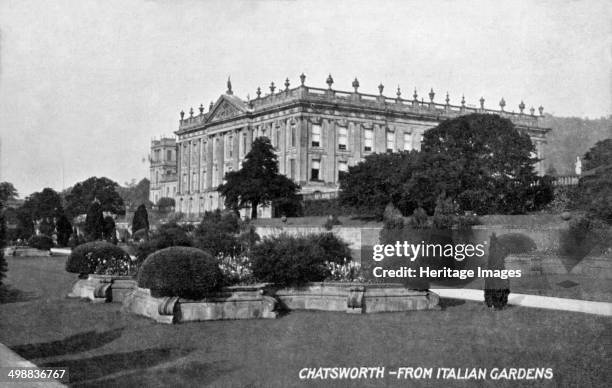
(317, 133)
(163, 168)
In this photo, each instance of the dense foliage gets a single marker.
(99, 257)
(218, 234)
(596, 183)
(94, 222)
(166, 203)
(3, 264)
(292, 261)
(496, 289)
(258, 182)
(167, 235)
(44, 207)
(41, 241)
(102, 190)
(483, 163)
(141, 219)
(180, 271)
(134, 194)
(64, 230)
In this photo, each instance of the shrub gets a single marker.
(168, 235)
(217, 234)
(94, 222)
(140, 234)
(3, 264)
(180, 271)
(99, 257)
(292, 261)
(41, 242)
(141, 218)
(331, 221)
(64, 230)
(496, 289)
(419, 219)
(445, 213)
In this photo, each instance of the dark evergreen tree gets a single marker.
(109, 229)
(595, 186)
(258, 182)
(141, 219)
(64, 230)
(103, 190)
(94, 222)
(482, 162)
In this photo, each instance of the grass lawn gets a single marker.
(105, 347)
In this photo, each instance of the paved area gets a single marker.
(543, 302)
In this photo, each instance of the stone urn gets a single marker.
(566, 216)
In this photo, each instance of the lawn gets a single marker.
(104, 346)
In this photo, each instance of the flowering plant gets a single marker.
(236, 269)
(348, 271)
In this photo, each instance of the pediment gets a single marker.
(225, 109)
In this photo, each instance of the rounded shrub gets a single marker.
(98, 257)
(185, 272)
(293, 261)
(41, 242)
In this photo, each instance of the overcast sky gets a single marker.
(85, 85)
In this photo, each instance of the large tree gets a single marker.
(596, 183)
(102, 190)
(94, 222)
(141, 219)
(258, 181)
(44, 207)
(7, 192)
(377, 181)
(599, 155)
(482, 162)
(134, 194)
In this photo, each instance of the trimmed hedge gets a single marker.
(180, 271)
(98, 257)
(293, 261)
(41, 242)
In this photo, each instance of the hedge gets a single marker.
(292, 261)
(98, 257)
(185, 272)
(41, 242)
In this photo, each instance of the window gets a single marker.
(156, 177)
(169, 155)
(292, 168)
(203, 179)
(293, 135)
(194, 181)
(230, 146)
(167, 191)
(390, 141)
(342, 138)
(277, 138)
(244, 145)
(185, 188)
(314, 171)
(342, 169)
(315, 136)
(407, 142)
(368, 140)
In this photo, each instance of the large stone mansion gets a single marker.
(317, 133)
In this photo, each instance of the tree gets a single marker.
(482, 162)
(84, 193)
(258, 181)
(7, 192)
(599, 155)
(141, 219)
(94, 222)
(135, 193)
(377, 181)
(166, 203)
(44, 207)
(595, 185)
(109, 231)
(64, 230)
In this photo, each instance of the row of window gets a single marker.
(157, 156)
(368, 139)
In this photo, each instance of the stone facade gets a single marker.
(163, 169)
(317, 133)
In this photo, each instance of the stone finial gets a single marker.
(272, 87)
(381, 87)
(229, 86)
(541, 110)
(302, 78)
(482, 100)
(431, 95)
(532, 110)
(415, 95)
(191, 112)
(502, 103)
(182, 114)
(287, 84)
(201, 109)
(210, 106)
(463, 100)
(258, 92)
(355, 84)
(398, 93)
(329, 81)
(522, 106)
(447, 99)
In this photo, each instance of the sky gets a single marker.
(85, 85)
